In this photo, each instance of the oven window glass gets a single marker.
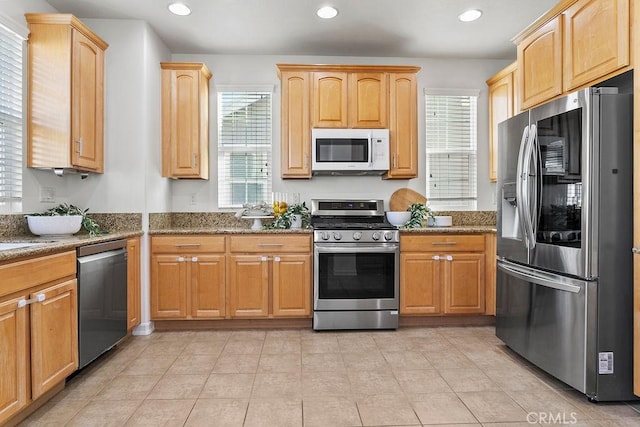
(560, 169)
(356, 275)
(342, 150)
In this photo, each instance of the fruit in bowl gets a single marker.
(398, 218)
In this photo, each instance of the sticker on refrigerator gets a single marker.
(605, 362)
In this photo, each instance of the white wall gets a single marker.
(237, 70)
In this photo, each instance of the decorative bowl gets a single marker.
(398, 218)
(56, 225)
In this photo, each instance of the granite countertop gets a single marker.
(229, 230)
(456, 229)
(51, 245)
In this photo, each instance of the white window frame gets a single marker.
(224, 193)
(471, 201)
(11, 150)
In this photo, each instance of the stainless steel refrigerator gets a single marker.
(565, 221)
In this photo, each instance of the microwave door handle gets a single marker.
(519, 192)
(370, 149)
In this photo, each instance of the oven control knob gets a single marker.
(357, 235)
(375, 235)
(324, 235)
(388, 235)
(337, 236)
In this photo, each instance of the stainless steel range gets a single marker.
(356, 265)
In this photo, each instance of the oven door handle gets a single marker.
(357, 248)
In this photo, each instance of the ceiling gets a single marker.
(370, 28)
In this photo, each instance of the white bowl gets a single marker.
(442, 221)
(398, 218)
(57, 225)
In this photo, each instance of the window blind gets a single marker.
(451, 145)
(244, 147)
(10, 116)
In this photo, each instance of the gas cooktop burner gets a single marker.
(354, 226)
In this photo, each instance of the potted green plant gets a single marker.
(62, 220)
(300, 216)
(419, 213)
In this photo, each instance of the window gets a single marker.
(11, 45)
(244, 147)
(451, 141)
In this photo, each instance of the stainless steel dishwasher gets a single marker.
(102, 298)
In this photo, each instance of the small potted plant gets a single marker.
(419, 214)
(299, 214)
(64, 219)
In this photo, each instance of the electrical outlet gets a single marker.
(194, 198)
(48, 194)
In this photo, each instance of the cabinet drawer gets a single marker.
(442, 243)
(270, 244)
(20, 275)
(190, 244)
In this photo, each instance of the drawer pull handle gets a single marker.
(24, 302)
(270, 244)
(444, 243)
(187, 245)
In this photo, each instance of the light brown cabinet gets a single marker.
(403, 126)
(133, 283)
(348, 96)
(295, 146)
(596, 40)
(269, 276)
(38, 328)
(502, 102)
(185, 120)
(442, 274)
(187, 277)
(65, 102)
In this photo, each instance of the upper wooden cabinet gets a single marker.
(295, 134)
(576, 44)
(348, 96)
(403, 125)
(65, 105)
(501, 107)
(596, 40)
(540, 64)
(185, 120)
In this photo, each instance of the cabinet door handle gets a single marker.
(24, 302)
(270, 244)
(194, 259)
(305, 162)
(79, 145)
(395, 160)
(187, 245)
(449, 258)
(444, 243)
(180, 259)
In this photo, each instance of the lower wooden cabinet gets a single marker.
(38, 329)
(187, 277)
(442, 274)
(133, 283)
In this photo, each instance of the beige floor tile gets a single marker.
(365, 361)
(518, 379)
(277, 385)
(449, 359)
(217, 412)
(316, 384)
(128, 387)
(403, 360)
(55, 413)
(354, 342)
(385, 343)
(204, 346)
(250, 334)
(427, 344)
(320, 343)
(426, 332)
(461, 380)
(493, 406)
(284, 362)
(212, 335)
(441, 408)
(237, 364)
(618, 422)
(421, 381)
(149, 365)
(178, 387)
(287, 334)
(163, 348)
(330, 411)
(83, 387)
(245, 346)
(281, 345)
(107, 367)
(386, 410)
(193, 364)
(368, 383)
(228, 386)
(104, 413)
(274, 412)
(322, 362)
(166, 413)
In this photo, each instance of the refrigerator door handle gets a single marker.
(541, 279)
(529, 203)
(520, 201)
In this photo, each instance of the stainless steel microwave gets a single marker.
(350, 151)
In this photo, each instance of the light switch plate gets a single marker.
(48, 194)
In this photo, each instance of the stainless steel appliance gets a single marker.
(565, 278)
(102, 298)
(356, 261)
(350, 151)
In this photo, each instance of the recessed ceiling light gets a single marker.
(327, 12)
(470, 15)
(179, 9)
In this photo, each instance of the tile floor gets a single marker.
(278, 378)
